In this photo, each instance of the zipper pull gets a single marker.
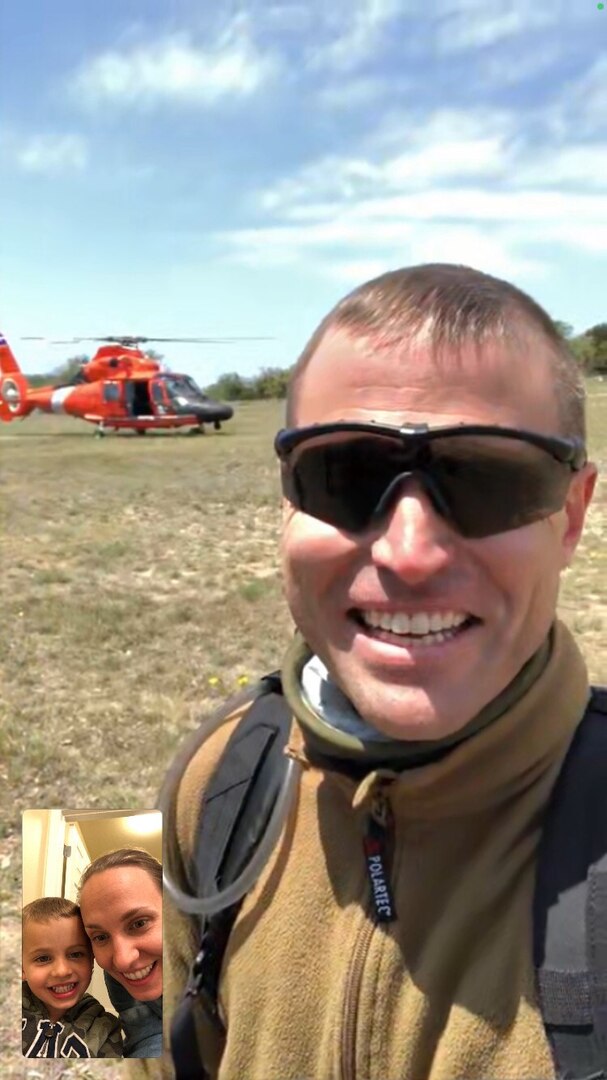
(375, 843)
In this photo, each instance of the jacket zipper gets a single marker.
(376, 846)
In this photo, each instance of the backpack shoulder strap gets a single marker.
(235, 811)
(570, 907)
(240, 796)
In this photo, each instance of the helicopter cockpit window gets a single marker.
(194, 387)
(184, 388)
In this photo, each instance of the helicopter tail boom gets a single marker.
(13, 385)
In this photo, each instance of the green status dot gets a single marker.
(600, 6)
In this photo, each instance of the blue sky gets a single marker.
(188, 169)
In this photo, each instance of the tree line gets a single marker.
(589, 348)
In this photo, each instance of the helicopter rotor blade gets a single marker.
(50, 341)
(113, 339)
(134, 340)
(205, 340)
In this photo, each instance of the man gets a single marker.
(434, 695)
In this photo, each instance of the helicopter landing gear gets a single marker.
(217, 425)
(141, 431)
(197, 430)
(100, 431)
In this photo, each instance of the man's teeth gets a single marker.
(66, 988)
(435, 626)
(134, 976)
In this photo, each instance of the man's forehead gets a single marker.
(342, 352)
(350, 371)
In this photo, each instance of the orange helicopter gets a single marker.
(120, 387)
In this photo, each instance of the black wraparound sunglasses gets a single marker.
(484, 479)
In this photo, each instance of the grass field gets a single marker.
(139, 587)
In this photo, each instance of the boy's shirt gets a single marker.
(84, 1031)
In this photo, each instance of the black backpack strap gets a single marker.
(570, 908)
(235, 811)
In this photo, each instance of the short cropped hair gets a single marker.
(125, 857)
(455, 306)
(49, 907)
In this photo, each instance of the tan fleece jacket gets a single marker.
(313, 988)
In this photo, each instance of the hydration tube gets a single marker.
(207, 905)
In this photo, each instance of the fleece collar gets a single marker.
(501, 752)
(329, 705)
(332, 726)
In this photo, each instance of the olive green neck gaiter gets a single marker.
(328, 740)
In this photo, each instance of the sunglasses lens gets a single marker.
(484, 484)
(492, 484)
(341, 479)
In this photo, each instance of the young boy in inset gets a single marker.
(59, 1018)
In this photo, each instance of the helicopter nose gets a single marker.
(213, 412)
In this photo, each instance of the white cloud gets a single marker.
(349, 33)
(444, 160)
(444, 146)
(422, 129)
(499, 252)
(585, 165)
(591, 238)
(478, 204)
(174, 69)
(533, 58)
(583, 103)
(285, 18)
(333, 176)
(352, 251)
(354, 92)
(479, 187)
(354, 271)
(474, 24)
(381, 221)
(52, 153)
(360, 25)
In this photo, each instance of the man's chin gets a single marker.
(408, 713)
(419, 729)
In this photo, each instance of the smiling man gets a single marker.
(435, 487)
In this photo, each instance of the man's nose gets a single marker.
(414, 541)
(125, 952)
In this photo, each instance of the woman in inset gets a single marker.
(121, 905)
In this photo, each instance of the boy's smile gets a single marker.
(57, 962)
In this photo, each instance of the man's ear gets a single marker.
(578, 500)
